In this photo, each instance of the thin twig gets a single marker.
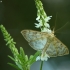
(41, 66)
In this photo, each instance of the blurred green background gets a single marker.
(17, 15)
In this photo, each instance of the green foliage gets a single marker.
(42, 18)
(40, 9)
(22, 62)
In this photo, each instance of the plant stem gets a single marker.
(41, 66)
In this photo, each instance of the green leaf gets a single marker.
(19, 65)
(11, 58)
(31, 56)
(32, 60)
(13, 65)
(22, 54)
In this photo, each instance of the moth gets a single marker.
(45, 42)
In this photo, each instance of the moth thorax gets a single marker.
(51, 34)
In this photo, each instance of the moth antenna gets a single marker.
(62, 27)
(55, 23)
(55, 20)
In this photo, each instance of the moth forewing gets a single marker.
(35, 39)
(46, 42)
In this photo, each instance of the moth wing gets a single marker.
(51, 50)
(61, 48)
(38, 40)
(38, 44)
(35, 39)
(32, 35)
(57, 48)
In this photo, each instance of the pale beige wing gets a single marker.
(56, 48)
(40, 40)
(38, 44)
(32, 35)
(36, 40)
